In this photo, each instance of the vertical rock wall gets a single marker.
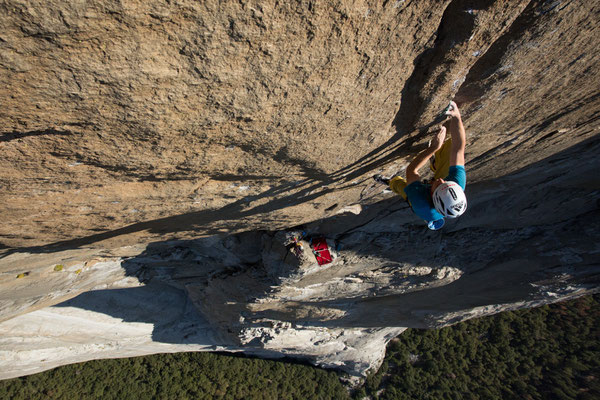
(125, 125)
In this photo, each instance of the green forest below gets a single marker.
(550, 352)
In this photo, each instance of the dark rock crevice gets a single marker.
(460, 24)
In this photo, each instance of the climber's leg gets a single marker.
(440, 163)
(397, 184)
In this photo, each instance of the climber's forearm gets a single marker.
(412, 171)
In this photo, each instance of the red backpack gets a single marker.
(321, 250)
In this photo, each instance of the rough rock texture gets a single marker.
(153, 149)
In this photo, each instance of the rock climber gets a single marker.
(444, 195)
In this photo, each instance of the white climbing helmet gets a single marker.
(449, 200)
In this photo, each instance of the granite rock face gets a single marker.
(152, 151)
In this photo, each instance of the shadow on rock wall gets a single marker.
(165, 268)
(168, 309)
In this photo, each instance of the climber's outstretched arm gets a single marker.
(457, 132)
(412, 171)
